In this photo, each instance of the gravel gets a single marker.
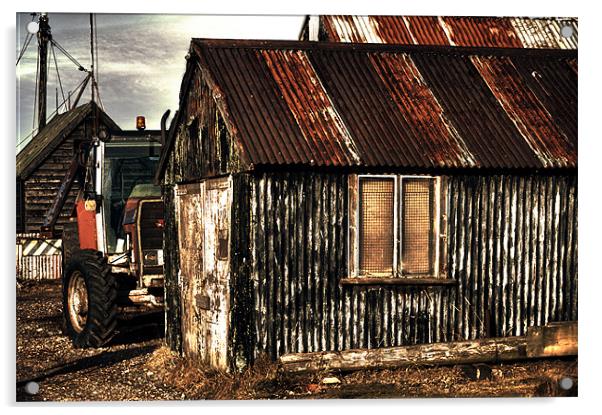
(63, 373)
(137, 366)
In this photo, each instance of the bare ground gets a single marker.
(136, 366)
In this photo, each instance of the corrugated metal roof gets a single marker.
(506, 32)
(51, 136)
(336, 104)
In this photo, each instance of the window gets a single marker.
(397, 219)
(417, 230)
(376, 225)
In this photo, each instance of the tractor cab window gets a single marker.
(128, 173)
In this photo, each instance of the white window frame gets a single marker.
(354, 243)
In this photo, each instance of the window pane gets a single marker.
(376, 225)
(417, 226)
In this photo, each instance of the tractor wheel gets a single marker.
(89, 299)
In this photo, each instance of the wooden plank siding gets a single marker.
(512, 248)
(171, 267)
(40, 188)
(203, 146)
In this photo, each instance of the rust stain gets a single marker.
(419, 108)
(482, 32)
(529, 115)
(343, 105)
(503, 32)
(425, 30)
(573, 64)
(308, 101)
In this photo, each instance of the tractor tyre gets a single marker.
(89, 299)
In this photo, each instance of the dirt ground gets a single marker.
(136, 366)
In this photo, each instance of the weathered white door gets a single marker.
(204, 237)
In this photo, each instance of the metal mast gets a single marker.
(92, 55)
(44, 36)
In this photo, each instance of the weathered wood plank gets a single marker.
(558, 339)
(376, 281)
(554, 339)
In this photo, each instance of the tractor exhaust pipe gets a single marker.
(164, 127)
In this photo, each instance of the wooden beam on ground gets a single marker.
(554, 339)
(452, 353)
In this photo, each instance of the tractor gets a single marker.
(113, 244)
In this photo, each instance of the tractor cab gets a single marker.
(115, 264)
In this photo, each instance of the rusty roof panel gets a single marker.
(335, 104)
(322, 128)
(545, 33)
(505, 32)
(528, 113)
(486, 128)
(392, 30)
(555, 87)
(263, 118)
(425, 30)
(480, 31)
(421, 116)
(354, 29)
(392, 116)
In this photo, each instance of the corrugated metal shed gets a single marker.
(506, 32)
(335, 104)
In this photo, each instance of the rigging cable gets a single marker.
(35, 96)
(96, 78)
(27, 40)
(58, 76)
(79, 86)
(92, 69)
(25, 45)
(68, 55)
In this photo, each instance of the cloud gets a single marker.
(141, 58)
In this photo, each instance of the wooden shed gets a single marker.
(44, 161)
(329, 196)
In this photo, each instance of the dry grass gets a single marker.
(262, 381)
(197, 382)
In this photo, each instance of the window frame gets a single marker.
(396, 227)
(439, 225)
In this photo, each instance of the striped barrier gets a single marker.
(38, 259)
(42, 247)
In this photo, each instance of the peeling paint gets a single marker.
(204, 210)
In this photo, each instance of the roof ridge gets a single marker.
(205, 43)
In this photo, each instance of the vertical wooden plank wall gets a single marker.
(171, 258)
(40, 188)
(511, 245)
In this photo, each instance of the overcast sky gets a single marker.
(141, 59)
